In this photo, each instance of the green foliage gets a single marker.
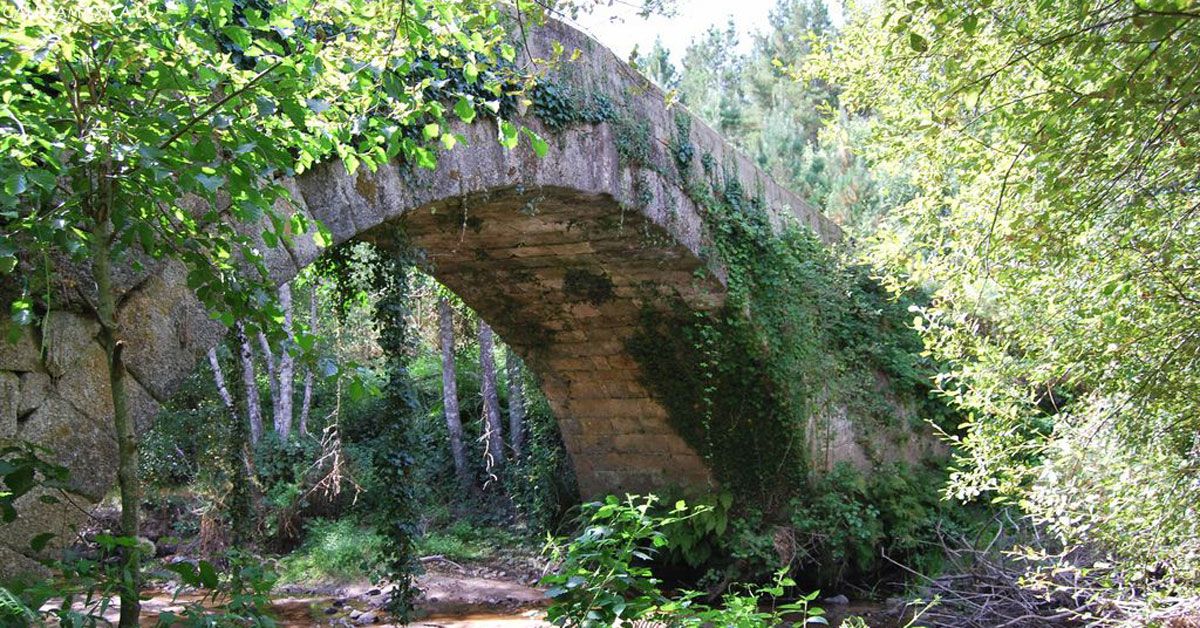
(843, 523)
(694, 540)
(333, 550)
(208, 99)
(835, 531)
(464, 541)
(14, 613)
(846, 523)
(681, 143)
(83, 588)
(749, 606)
(542, 483)
(605, 578)
(781, 123)
(392, 499)
(239, 597)
(1053, 215)
(187, 441)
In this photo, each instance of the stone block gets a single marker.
(35, 386)
(303, 247)
(88, 388)
(166, 329)
(21, 355)
(15, 565)
(87, 449)
(67, 334)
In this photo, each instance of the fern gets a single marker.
(13, 611)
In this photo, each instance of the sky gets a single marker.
(619, 27)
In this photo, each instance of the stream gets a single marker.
(449, 599)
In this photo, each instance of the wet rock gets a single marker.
(837, 600)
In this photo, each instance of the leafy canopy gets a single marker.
(178, 121)
(1052, 149)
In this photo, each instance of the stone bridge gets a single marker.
(560, 254)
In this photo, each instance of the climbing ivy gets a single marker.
(801, 333)
(560, 107)
(393, 502)
(681, 145)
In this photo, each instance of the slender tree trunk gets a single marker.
(493, 428)
(516, 403)
(306, 405)
(219, 380)
(239, 454)
(272, 376)
(127, 477)
(283, 410)
(250, 384)
(450, 393)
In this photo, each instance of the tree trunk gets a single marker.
(272, 375)
(239, 454)
(493, 428)
(450, 393)
(219, 380)
(283, 410)
(516, 403)
(250, 383)
(127, 457)
(306, 405)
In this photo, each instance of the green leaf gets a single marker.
(917, 42)
(21, 311)
(208, 575)
(187, 573)
(265, 106)
(464, 110)
(970, 24)
(210, 182)
(239, 36)
(540, 146)
(38, 543)
(508, 134)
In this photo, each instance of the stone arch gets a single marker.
(561, 254)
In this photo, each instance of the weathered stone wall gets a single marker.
(560, 254)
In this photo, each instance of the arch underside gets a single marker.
(565, 278)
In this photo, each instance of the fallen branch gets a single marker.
(439, 557)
